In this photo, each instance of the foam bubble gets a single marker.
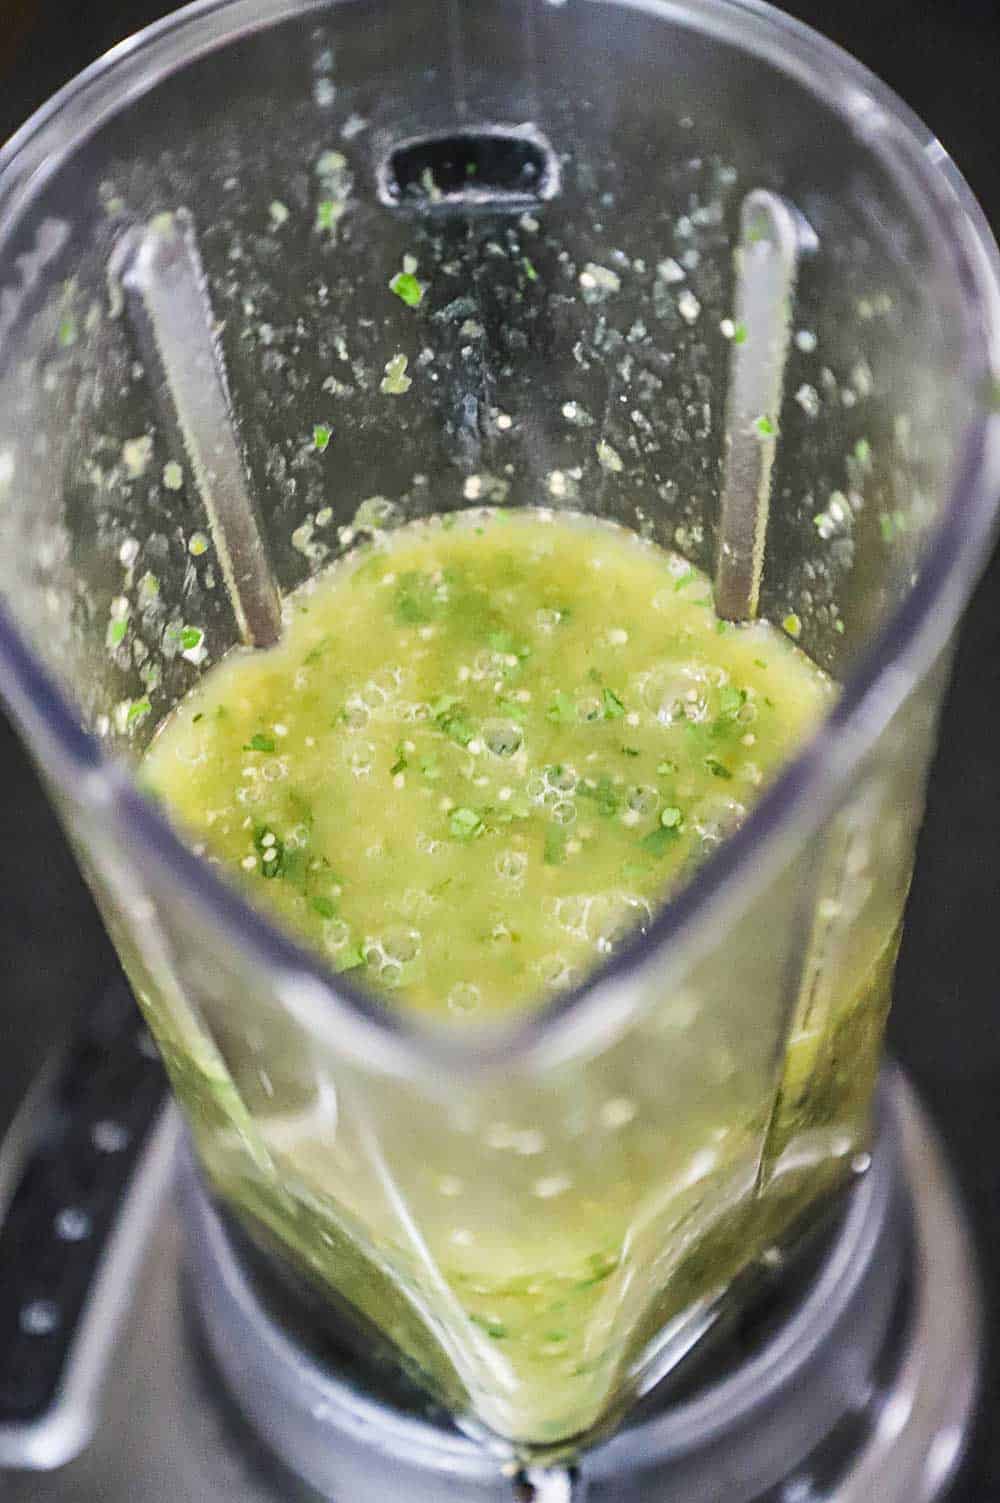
(463, 998)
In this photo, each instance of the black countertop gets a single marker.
(942, 56)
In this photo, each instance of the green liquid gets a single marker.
(484, 751)
(482, 754)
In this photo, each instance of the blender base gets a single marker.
(861, 1385)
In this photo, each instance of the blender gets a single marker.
(573, 180)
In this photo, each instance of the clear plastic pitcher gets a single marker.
(537, 1219)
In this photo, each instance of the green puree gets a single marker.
(483, 752)
(485, 749)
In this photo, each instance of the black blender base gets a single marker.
(861, 1387)
(857, 1385)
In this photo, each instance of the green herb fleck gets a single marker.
(891, 524)
(666, 769)
(562, 710)
(671, 817)
(66, 332)
(766, 427)
(604, 793)
(451, 719)
(792, 624)
(322, 435)
(659, 841)
(555, 845)
(325, 907)
(731, 701)
(630, 751)
(400, 763)
(612, 706)
(760, 662)
(191, 638)
(349, 958)
(196, 718)
(684, 580)
(414, 600)
(529, 269)
(260, 743)
(406, 287)
(862, 451)
(493, 1328)
(137, 710)
(329, 211)
(740, 334)
(717, 768)
(116, 631)
(464, 823)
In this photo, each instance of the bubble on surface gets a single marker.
(511, 865)
(464, 998)
(502, 737)
(402, 944)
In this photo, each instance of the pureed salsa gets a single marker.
(484, 750)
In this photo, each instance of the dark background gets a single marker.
(943, 57)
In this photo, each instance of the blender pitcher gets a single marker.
(538, 1219)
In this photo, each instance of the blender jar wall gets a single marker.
(533, 1237)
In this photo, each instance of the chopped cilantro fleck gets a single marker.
(529, 270)
(328, 212)
(451, 719)
(766, 427)
(603, 792)
(740, 334)
(717, 768)
(685, 579)
(117, 630)
(562, 710)
(555, 845)
(493, 1328)
(612, 706)
(325, 907)
(731, 701)
(792, 624)
(349, 958)
(137, 710)
(464, 823)
(671, 817)
(659, 841)
(322, 435)
(414, 600)
(630, 751)
(400, 763)
(260, 742)
(191, 638)
(760, 662)
(406, 287)
(666, 769)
